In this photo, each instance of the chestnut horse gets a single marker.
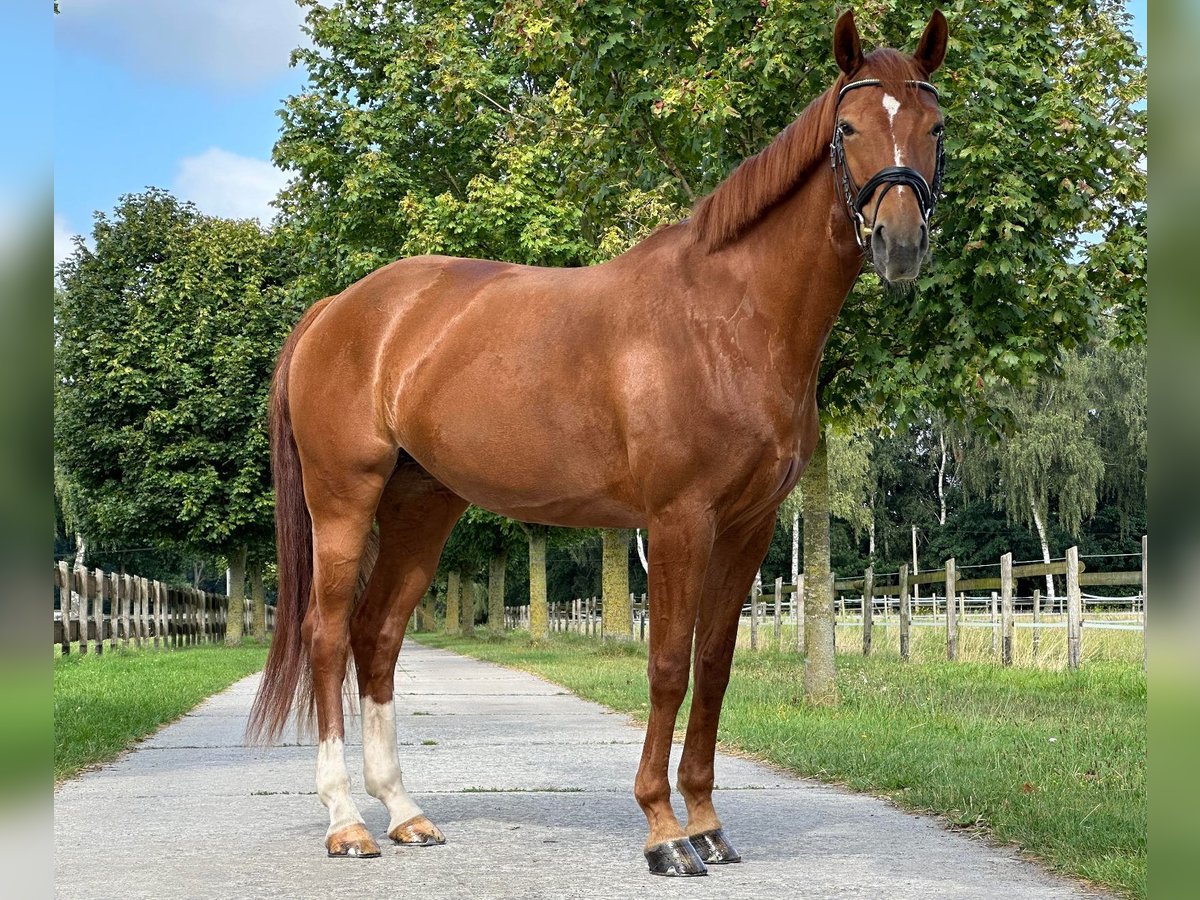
(672, 388)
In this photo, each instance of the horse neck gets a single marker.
(798, 263)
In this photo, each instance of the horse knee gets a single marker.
(668, 682)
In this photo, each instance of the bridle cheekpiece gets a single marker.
(857, 198)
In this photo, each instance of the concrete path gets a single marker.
(533, 788)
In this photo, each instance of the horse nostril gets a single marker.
(924, 234)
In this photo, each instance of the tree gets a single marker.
(617, 624)
(820, 679)
(539, 609)
(166, 334)
(1048, 463)
(1075, 438)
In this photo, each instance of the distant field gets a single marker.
(102, 704)
(1051, 761)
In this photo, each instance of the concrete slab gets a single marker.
(533, 789)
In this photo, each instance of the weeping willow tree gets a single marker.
(1049, 466)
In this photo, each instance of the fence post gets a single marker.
(868, 610)
(905, 612)
(1037, 619)
(81, 580)
(142, 589)
(779, 613)
(64, 606)
(1074, 610)
(754, 616)
(951, 617)
(160, 604)
(1006, 610)
(1145, 607)
(798, 610)
(995, 620)
(143, 594)
(101, 596)
(126, 585)
(156, 612)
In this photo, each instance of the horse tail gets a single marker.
(286, 679)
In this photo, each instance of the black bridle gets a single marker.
(857, 198)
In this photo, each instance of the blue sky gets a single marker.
(180, 94)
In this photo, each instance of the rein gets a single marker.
(857, 198)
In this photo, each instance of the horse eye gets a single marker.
(845, 128)
(937, 129)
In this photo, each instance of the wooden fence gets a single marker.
(95, 606)
(895, 600)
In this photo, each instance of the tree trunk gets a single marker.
(796, 547)
(71, 607)
(470, 591)
(453, 601)
(539, 611)
(641, 548)
(258, 603)
(496, 567)
(1041, 530)
(237, 597)
(820, 675)
(941, 482)
(616, 622)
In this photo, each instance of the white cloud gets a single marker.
(225, 184)
(230, 42)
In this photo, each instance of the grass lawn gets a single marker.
(102, 704)
(1051, 761)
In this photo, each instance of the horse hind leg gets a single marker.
(342, 513)
(416, 515)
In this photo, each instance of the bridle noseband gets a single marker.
(857, 198)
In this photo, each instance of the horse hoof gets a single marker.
(714, 848)
(353, 840)
(677, 857)
(417, 832)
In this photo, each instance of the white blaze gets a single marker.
(333, 785)
(892, 106)
(381, 765)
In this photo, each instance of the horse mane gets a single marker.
(772, 174)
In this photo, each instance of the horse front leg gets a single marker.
(679, 554)
(735, 559)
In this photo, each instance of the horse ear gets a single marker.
(846, 47)
(931, 49)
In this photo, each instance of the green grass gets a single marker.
(102, 704)
(1053, 762)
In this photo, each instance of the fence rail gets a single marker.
(95, 606)
(894, 600)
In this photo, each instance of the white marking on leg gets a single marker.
(333, 785)
(381, 764)
(892, 106)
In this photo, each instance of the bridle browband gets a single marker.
(857, 198)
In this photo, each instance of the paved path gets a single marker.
(533, 788)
